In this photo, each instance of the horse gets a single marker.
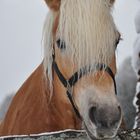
(136, 67)
(74, 87)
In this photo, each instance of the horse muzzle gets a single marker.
(103, 122)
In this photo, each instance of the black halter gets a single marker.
(69, 83)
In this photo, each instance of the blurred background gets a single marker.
(21, 24)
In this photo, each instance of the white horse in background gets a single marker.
(136, 66)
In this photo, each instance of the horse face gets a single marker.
(84, 44)
(98, 105)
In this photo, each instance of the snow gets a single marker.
(136, 55)
(136, 48)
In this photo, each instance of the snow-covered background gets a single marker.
(21, 23)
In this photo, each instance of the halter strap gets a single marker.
(69, 83)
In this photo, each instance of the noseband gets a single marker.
(69, 83)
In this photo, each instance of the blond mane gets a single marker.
(88, 29)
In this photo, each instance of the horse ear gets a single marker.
(53, 4)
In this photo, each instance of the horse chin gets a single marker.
(94, 135)
(89, 134)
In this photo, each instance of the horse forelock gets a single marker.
(88, 29)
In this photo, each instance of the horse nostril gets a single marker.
(119, 108)
(97, 117)
(139, 72)
(92, 113)
(105, 118)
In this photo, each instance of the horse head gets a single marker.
(80, 42)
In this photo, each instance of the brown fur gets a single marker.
(31, 112)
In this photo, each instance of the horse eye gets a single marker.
(117, 42)
(61, 44)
